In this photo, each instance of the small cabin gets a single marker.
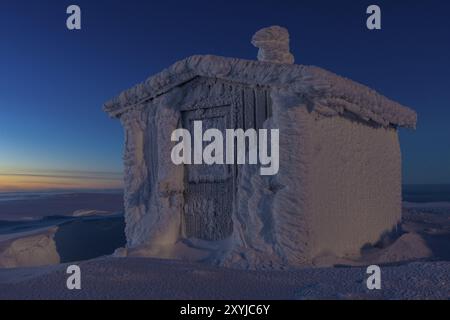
(338, 187)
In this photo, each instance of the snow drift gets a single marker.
(36, 248)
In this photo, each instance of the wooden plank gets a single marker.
(260, 107)
(249, 108)
(268, 104)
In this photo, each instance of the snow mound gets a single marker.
(86, 213)
(409, 247)
(35, 249)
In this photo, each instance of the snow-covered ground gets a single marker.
(414, 266)
(66, 239)
(32, 206)
(45, 228)
(417, 205)
(147, 278)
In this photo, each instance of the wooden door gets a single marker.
(209, 192)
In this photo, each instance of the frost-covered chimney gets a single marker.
(273, 44)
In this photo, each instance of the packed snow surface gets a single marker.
(414, 266)
(147, 278)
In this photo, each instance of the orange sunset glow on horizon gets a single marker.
(22, 181)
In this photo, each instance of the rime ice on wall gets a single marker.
(153, 184)
(356, 184)
(338, 186)
(271, 220)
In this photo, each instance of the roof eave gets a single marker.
(318, 83)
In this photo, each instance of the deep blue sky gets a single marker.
(53, 81)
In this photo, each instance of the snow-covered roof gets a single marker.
(330, 93)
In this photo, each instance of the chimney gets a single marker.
(273, 45)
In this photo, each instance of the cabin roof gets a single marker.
(330, 93)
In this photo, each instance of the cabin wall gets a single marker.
(153, 184)
(271, 221)
(135, 171)
(356, 184)
(337, 189)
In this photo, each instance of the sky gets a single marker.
(53, 81)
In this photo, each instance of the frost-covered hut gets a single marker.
(339, 182)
